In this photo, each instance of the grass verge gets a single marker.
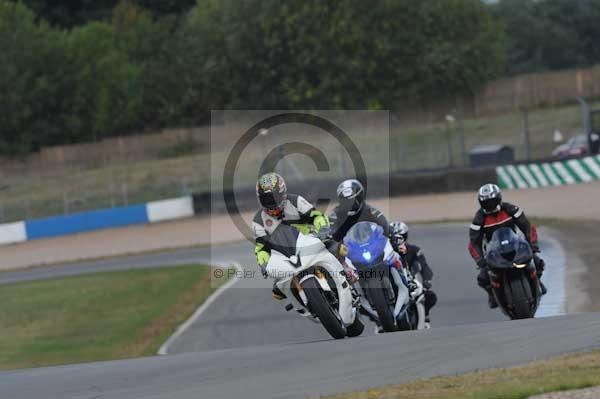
(555, 374)
(94, 317)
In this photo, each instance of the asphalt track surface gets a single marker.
(300, 370)
(246, 344)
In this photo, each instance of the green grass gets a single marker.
(556, 374)
(95, 317)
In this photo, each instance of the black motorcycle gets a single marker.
(515, 283)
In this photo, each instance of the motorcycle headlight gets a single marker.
(520, 266)
(366, 256)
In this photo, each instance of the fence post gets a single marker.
(184, 187)
(66, 202)
(526, 138)
(463, 145)
(449, 141)
(125, 194)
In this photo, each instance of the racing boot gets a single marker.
(540, 265)
(277, 293)
(491, 299)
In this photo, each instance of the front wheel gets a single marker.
(320, 307)
(381, 303)
(519, 293)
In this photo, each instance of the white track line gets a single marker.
(163, 350)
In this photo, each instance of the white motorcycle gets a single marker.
(305, 271)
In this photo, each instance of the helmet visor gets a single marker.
(349, 205)
(397, 239)
(490, 205)
(272, 201)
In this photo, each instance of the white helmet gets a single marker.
(490, 198)
(398, 233)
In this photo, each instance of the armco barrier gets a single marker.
(547, 174)
(86, 221)
(151, 212)
(511, 176)
(11, 233)
(170, 209)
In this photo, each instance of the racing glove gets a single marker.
(482, 264)
(539, 263)
(262, 258)
(319, 220)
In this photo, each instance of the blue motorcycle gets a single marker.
(383, 282)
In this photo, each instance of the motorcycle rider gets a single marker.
(415, 260)
(278, 207)
(493, 214)
(352, 209)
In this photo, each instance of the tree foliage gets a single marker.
(122, 67)
(70, 13)
(550, 34)
(31, 77)
(267, 53)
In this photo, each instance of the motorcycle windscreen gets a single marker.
(506, 248)
(365, 243)
(284, 239)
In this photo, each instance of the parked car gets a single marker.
(576, 146)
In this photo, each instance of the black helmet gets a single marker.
(398, 233)
(272, 193)
(351, 195)
(490, 198)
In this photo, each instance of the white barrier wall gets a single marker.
(11, 233)
(170, 209)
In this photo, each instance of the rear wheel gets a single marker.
(521, 297)
(320, 307)
(381, 303)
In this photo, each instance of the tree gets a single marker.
(269, 54)
(550, 34)
(31, 80)
(150, 46)
(104, 84)
(71, 13)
